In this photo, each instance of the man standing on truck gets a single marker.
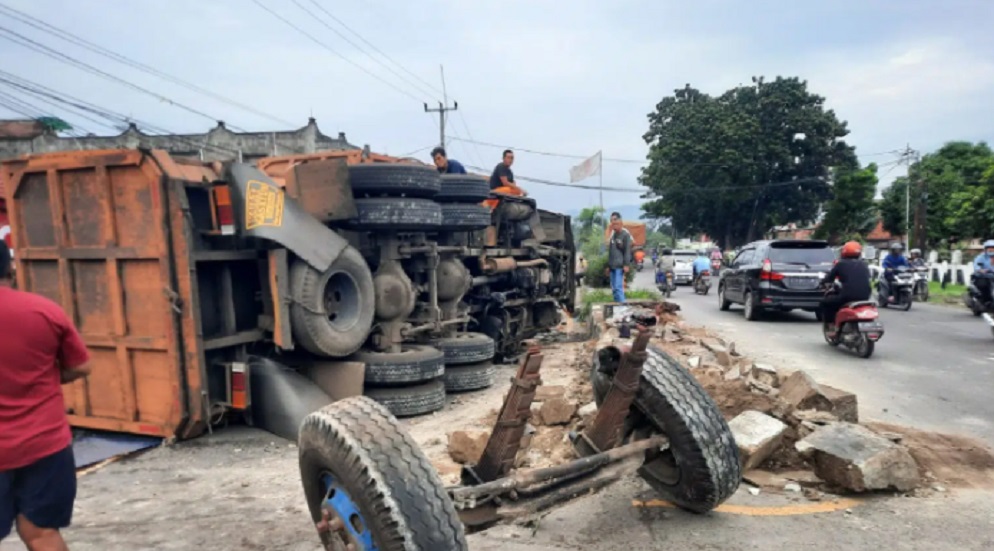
(444, 164)
(40, 350)
(619, 256)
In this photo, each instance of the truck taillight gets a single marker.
(238, 386)
(225, 211)
(768, 274)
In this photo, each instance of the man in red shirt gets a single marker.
(39, 351)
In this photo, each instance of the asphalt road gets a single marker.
(933, 369)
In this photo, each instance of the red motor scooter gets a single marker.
(856, 327)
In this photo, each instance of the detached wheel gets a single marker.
(394, 179)
(332, 311)
(463, 188)
(465, 216)
(460, 378)
(368, 485)
(409, 401)
(465, 348)
(413, 364)
(397, 213)
(701, 468)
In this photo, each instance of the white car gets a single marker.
(683, 266)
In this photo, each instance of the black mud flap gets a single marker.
(281, 397)
(263, 210)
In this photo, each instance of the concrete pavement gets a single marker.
(933, 369)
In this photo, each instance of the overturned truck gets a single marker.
(274, 288)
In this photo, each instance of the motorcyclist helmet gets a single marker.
(896, 247)
(915, 253)
(666, 252)
(852, 249)
(989, 247)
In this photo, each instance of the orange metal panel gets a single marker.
(102, 233)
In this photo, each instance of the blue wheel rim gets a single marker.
(338, 500)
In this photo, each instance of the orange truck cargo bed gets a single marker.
(637, 229)
(102, 234)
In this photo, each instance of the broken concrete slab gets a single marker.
(802, 392)
(723, 357)
(694, 362)
(587, 410)
(814, 416)
(858, 459)
(733, 374)
(766, 374)
(466, 446)
(757, 435)
(555, 411)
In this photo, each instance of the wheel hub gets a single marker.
(342, 301)
(342, 526)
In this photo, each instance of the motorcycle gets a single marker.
(666, 282)
(904, 281)
(703, 283)
(981, 304)
(920, 290)
(856, 327)
(715, 266)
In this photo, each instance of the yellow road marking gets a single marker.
(767, 511)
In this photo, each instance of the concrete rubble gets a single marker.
(857, 459)
(758, 435)
(554, 411)
(466, 446)
(802, 392)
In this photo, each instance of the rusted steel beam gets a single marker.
(505, 439)
(607, 429)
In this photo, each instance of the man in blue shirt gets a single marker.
(894, 260)
(701, 264)
(444, 164)
(984, 264)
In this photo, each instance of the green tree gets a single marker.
(725, 165)
(892, 206)
(851, 211)
(54, 124)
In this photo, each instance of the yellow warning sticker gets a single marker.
(263, 205)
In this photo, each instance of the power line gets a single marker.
(377, 50)
(38, 112)
(335, 52)
(356, 46)
(96, 48)
(550, 154)
(22, 40)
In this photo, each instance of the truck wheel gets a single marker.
(332, 311)
(394, 179)
(701, 468)
(368, 485)
(465, 348)
(459, 378)
(410, 400)
(413, 364)
(465, 216)
(397, 213)
(463, 188)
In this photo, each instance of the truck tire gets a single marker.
(413, 364)
(332, 311)
(397, 180)
(409, 401)
(460, 378)
(463, 188)
(356, 460)
(465, 348)
(397, 213)
(465, 216)
(701, 468)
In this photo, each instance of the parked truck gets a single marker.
(270, 289)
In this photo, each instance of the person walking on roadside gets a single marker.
(40, 350)
(444, 164)
(619, 256)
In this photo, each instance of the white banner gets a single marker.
(586, 169)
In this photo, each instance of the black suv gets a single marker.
(778, 275)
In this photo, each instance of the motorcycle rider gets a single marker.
(853, 274)
(701, 264)
(665, 264)
(984, 264)
(916, 260)
(894, 260)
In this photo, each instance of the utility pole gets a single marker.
(442, 108)
(906, 157)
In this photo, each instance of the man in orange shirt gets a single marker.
(40, 351)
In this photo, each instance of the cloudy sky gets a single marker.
(565, 77)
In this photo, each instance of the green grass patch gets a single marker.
(952, 294)
(591, 297)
